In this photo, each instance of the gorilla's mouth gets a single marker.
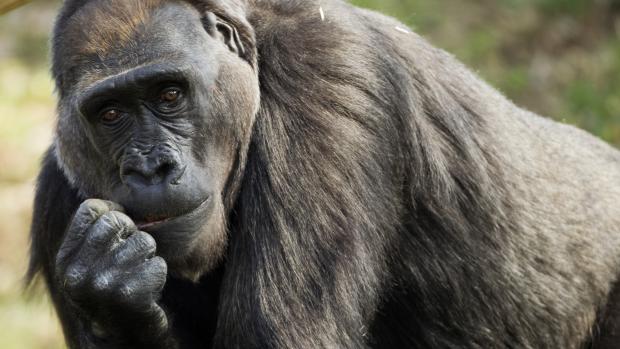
(151, 221)
(154, 221)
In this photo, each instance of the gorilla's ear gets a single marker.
(225, 31)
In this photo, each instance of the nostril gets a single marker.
(176, 180)
(148, 176)
(164, 170)
(155, 169)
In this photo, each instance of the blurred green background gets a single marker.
(559, 58)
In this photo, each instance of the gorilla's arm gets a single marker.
(101, 272)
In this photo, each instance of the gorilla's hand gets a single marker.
(108, 270)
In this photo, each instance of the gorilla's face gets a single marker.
(154, 113)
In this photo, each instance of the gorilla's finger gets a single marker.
(104, 234)
(137, 248)
(144, 282)
(86, 215)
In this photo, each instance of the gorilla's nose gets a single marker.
(153, 169)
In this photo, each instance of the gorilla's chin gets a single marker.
(176, 233)
(193, 243)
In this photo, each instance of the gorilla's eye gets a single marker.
(110, 115)
(170, 95)
(169, 101)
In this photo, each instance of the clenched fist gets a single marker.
(108, 270)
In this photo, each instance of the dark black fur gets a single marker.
(377, 205)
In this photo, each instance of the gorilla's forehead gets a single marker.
(111, 35)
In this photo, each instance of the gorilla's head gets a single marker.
(157, 103)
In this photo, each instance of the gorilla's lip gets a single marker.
(153, 223)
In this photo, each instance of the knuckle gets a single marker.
(122, 219)
(73, 278)
(145, 240)
(102, 284)
(92, 208)
(132, 296)
(100, 205)
(159, 264)
(126, 293)
(109, 219)
(106, 227)
(116, 221)
(94, 203)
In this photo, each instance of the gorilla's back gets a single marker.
(562, 185)
(565, 186)
(567, 190)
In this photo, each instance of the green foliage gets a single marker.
(574, 7)
(559, 58)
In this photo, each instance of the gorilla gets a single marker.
(308, 174)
